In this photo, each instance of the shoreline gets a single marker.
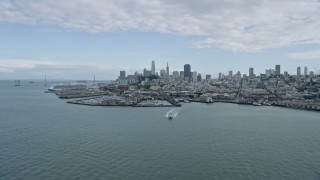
(122, 105)
(277, 104)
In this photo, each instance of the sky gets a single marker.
(80, 39)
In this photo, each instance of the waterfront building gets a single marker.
(305, 71)
(298, 71)
(251, 73)
(277, 72)
(187, 72)
(122, 81)
(153, 67)
(199, 78)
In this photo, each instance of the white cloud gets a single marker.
(242, 25)
(18, 68)
(16, 64)
(20, 64)
(305, 55)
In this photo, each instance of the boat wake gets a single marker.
(172, 113)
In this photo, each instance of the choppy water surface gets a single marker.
(42, 137)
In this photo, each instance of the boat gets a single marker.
(266, 104)
(60, 87)
(172, 113)
(256, 104)
(17, 83)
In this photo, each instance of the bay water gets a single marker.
(43, 137)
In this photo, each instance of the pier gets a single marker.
(122, 101)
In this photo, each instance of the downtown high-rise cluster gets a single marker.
(187, 75)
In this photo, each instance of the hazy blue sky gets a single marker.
(76, 39)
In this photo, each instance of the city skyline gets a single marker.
(77, 40)
(192, 76)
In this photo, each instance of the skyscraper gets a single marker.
(298, 71)
(230, 74)
(199, 78)
(175, 75)
(194, 76)
(238, 75)
(122, 78)
(167, 71)
(153, 67)
(162, 73)
(305, 71)
(187, 72)
(181, 74)
(277, 73)
(122, 75)
(251, 74)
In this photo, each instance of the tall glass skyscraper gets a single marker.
(277, 73)
(153, 67)
(187, 72)
(305, 71)
(251, 73)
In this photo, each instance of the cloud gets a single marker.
(18, 68)
(305, 55)
(16, 64)
(240, 26)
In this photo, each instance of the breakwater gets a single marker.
(297, 105)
